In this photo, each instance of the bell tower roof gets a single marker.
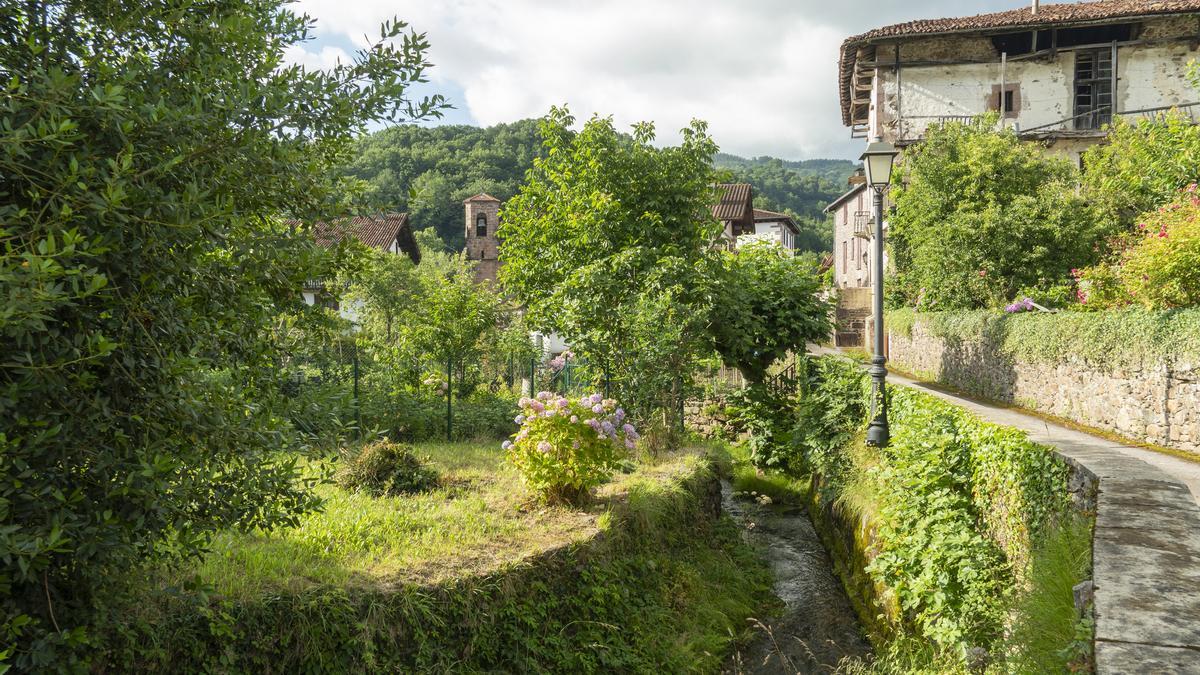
(481, 197)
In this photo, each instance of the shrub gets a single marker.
(1157, 266)
(384, 468)
(766, 307)
(566, 447)
(1141, 166)
(981, 215)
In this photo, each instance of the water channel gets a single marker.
(817, 628)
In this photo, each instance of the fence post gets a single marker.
(449, 393)
(357, 405)
(679, 396)
(532, 375)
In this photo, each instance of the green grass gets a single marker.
(478, 521)
(471, 577)
(1046, 636)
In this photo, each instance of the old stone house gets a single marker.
(389, 232)
(1059, 73)
(853, 252)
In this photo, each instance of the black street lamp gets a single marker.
(878, 161)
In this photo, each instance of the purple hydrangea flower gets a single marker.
(596, 398)
(606, 426)
(598, 409)
(506, 445)
(537, 406)
(543, 447)
(563, 403)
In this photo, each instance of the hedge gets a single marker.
(1111, 339)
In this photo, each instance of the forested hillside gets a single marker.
(428, 171)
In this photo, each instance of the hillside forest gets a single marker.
(429, 171)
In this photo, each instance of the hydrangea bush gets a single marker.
(565, 447)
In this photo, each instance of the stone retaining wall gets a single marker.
(1157, 403)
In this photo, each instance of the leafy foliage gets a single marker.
(567, 447)
(146, 151)
(981, 216)
(609, 243)
(958, 504)
(429, 171)
(1142, 165)
(766, 306)
(384, 468)
(1156, 266)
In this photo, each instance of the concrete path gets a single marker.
(1146, 549)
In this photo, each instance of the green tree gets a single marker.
(146, 153)
(1142, 166)
(766, 306)
(981, 216)
(609, 243)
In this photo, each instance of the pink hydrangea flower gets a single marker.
(544, 447)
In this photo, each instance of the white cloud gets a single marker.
(324, 58)
(761, 72)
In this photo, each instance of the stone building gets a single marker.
(735, 210)
(482, 218)
(1059, 72)
(853, 254)
(390, 232)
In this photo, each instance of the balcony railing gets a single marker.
(864, 224)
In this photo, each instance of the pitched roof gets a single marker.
(481, 197)
(735, 199)
(375, 231)
(765, 216)
(1100, 11)
(854, 189)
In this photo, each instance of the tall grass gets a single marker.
(1045, 635)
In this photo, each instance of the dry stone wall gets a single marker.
(1157, 402)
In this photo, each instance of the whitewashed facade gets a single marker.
(1060, 74)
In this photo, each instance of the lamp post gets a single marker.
(878, 160)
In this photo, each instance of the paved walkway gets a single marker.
(1146, 549)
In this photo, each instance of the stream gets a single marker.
(817, 628)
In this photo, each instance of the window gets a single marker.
(1093, 88)
(857, 254)
(481, 225)
(845, 257)
(1009, 100)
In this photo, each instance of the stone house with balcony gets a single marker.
(1056, 73)
(853, 235)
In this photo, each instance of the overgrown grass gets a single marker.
(1046, 636)
(470, 577)
(478, 520)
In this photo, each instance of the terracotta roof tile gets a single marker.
(1013, 19)
(735, 197)
(375, 231)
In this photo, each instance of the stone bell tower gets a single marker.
(483, 246)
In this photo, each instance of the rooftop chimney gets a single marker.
(1035, 6)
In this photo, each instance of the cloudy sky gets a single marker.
(761, 72)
